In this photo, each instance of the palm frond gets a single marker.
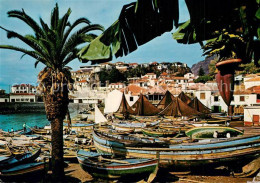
(55, 17)
(27, 19)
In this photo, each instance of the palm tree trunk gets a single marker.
(56, 106)
(57, 149)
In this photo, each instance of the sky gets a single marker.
(14, 70)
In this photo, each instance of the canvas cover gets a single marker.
(196, 104)
(112, 101)
(99, 117)
(178, 108)
(144, 108)
(184, 98)
(125, 107)
(166, 100)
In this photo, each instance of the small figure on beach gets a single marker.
(12, 131)
(24, 127)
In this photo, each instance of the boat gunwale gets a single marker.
(188, 149)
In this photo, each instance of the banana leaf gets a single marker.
(138, 23)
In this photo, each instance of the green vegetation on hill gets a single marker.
(113, 75)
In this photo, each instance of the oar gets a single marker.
(100, 158)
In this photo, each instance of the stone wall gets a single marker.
(37, 107)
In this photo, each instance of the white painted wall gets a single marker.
(22, 98)
(250, 111)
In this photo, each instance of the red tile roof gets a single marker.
(22, 94)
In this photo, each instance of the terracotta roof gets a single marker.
(22, 94)
(133, 63)
(83, 81)
(135, 90)
(254, 89)
(242, 92)
(154, 63)
(27, 85)
(164, 74)
(254, 79)
(156, 89)
(178, 78)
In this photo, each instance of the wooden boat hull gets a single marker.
(208, 132)
(188, 156)
(24, 158)
(23, 172)
(159, 133)
(216, 121)
(128, 128)
(115, 170)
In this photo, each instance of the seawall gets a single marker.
(37, 107)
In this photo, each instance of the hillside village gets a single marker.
(90, 89)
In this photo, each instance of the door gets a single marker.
(255, 120)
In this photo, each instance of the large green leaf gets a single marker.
(258, 13)
(138, 23)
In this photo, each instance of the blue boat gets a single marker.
(213, 153)
(15, 160)
(101, 165)
(24, 172)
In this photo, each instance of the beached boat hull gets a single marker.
(24, 158)
(114, 170)
(228, 152)
(160, 133)
(208, 132)
(216, 121)
(23, 172)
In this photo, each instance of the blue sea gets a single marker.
(16, 121)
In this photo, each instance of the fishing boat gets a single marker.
(131, 141)
(216, 120)
(232, 118)
(212, 132)
(160, 132)
(128, 126)
(101, 165)
(213, 153)
(24, 172)
(18, 159)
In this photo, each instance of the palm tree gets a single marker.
(55, 46)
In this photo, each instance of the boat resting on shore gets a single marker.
(101, 165)
(213, 153)
(212, 132)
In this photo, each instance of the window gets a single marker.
(13, 100)
(232, 98)
(258, 98)
(22, 99)
(131, 99)
(31, 100)
(202, 96)
(216, 99)
(17, 100)
(242, 98)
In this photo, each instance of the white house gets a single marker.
(116, 85)
(252, 116)
(22, 97)
(23, 88)
(189, 76)
(149, 76)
